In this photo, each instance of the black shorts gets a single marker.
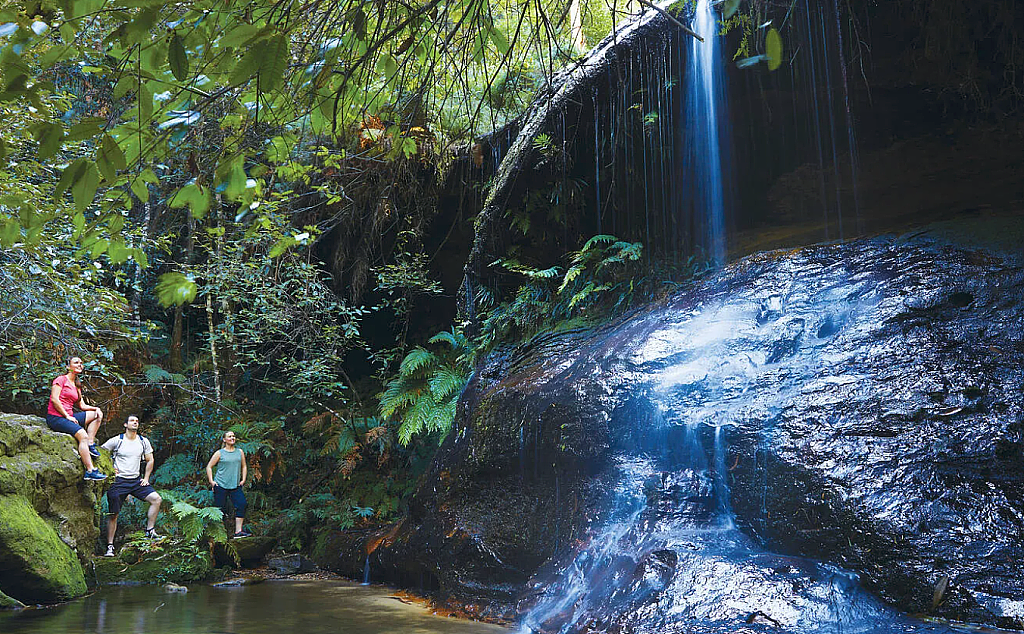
(66, 425)
(124, 487)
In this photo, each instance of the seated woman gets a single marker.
(65, 394)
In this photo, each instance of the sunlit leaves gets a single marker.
(83, 190)
(193, 195)
(175, 289)
(773, 49)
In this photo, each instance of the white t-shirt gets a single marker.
(128, 460)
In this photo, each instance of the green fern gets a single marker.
(422, 397)
(156, 374)
(418, 358)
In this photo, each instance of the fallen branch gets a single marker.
(672, 19)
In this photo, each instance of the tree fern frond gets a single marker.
(570, 275)
(452, 337)
(416, 359)
(393, 404)
(544, 274)
(445, 383)
(598, 239)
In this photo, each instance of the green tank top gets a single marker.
(229, 469)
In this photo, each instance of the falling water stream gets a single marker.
(705, 120)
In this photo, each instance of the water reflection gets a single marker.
(310, 607)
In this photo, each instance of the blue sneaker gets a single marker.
(94, 475)
(94, 451)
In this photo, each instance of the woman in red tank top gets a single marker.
(65, 395)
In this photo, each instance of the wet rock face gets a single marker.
(869, 398)
(847, 407)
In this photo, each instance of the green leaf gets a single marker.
(84, 188)
(281, 246)
(279, 148)
(417, 359)
(230, 177)
(195, 196)
(71, 174)
(115, 224)
(140, 256)
(499, 39)
(175, 289)
(98, 248)
(246, 67)
(239, 35)
(118, 252)
(773, 49)
(110, 158)
(274, 62)
(177, 59)
(387, 65)
(10, 232)
(153, 57)
(78, 221)
(74, 9)
(54, 55)
(87, 128)
(140, 189)
(50, 136)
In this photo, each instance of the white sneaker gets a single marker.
(110, 551)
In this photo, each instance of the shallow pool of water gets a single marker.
(277, 607)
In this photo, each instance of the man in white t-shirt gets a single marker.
(128, 451)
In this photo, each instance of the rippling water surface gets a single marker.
(278, 607)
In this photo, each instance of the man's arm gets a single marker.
(150, 463)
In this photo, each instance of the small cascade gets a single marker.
(721, 480)
(366, 571)
(668, 549)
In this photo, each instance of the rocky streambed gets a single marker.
(799, 427)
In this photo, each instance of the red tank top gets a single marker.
(68, 396)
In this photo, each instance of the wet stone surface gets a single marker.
(808, 439)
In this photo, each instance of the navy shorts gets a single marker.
(122, 488)
(237, 499)
(64, 425)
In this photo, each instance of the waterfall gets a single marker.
(706, 122)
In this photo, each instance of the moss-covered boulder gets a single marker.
(165, 563)
(47, 514)
(7, 603)
(37, 567)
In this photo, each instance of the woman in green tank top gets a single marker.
(229, 479)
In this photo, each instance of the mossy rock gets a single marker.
(35, 565)
(43, 467)
(174, 565)
(7, 603)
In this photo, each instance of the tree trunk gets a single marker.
(213, 346)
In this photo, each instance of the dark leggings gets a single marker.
(237, 499)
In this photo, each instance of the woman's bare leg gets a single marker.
(83, 449)
(93, 420)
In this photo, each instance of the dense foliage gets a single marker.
(226, 207)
